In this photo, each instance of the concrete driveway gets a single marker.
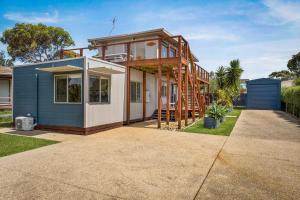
(260, 160)
(124, 163)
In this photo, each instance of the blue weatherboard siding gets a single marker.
(49, 113)
(264, 94)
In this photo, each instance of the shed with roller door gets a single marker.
(264, 93)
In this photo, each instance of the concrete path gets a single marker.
(260, 160)
(124, 163)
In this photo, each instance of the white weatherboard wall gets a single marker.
(100, 114)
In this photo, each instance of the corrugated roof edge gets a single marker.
(132, 34)
(51, 61)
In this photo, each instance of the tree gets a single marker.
(294, 64)
(221, 77)
(233, 74)
(282, 75)
(35, 43)
(5, 61)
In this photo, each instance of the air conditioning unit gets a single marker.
(24, 123)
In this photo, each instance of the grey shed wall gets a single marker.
(26, 95)
(264, 94)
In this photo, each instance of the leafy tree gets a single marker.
(221, 77)
(294, 64)
(5, 61)
(35, 43)
(282, 75)
(233, 74)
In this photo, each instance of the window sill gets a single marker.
(63, 103)
(98, 103)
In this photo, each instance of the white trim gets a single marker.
(51, 61)
(67, 89)
(106, 62)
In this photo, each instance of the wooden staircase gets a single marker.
(164, 115)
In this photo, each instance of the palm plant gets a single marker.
(221, 77)
(233, 74)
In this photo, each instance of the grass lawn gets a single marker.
(5, 112)
(11, 144)
(5, 121)
(224, 129)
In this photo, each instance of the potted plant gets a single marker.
(212, 119)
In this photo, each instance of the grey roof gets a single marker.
(159, 31)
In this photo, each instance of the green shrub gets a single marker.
(291, 95)
(216, 111)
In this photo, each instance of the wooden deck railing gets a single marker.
(169, 48)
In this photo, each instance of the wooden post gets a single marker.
(179, 96)
(159, 85)
(186, 88)
(159, 97)
(179, 110)
(144, 95)
(193, 91)
(168, 96)
(128, 86)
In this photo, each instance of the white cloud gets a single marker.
(284, 11)
(212, 35)
(45, 17)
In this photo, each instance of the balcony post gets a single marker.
(144, 95)
(128, 86)
(168, 96)
(179, 110)
(186, 88)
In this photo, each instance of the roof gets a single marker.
(132, 36)
(5, 71)
(264, 81)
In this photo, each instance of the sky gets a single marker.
(262, 34)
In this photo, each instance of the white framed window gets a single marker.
(99, 89)
(135, 92)
(67, 88)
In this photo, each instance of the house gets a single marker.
(5, 87)
(132, 77)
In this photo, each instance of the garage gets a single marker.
(264, 94)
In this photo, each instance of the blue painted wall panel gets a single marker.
(48, 113)
(264, 94)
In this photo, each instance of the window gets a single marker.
(135, 92)
(99, 89)
(68, 88)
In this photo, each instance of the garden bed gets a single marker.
(224, 129)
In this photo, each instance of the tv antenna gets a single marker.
(113, 21)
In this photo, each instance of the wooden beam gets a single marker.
(159, 97)
(128, 86)
(168, 97)
(186, 88)
(193, 91)
(144, 95)
(179, 105)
